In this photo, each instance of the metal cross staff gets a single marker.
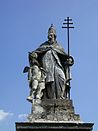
(67, 24)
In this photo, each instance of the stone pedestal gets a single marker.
(53, 126)
(53, 114)
(53, 110)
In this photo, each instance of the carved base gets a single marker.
(53, 126)
(53, 110)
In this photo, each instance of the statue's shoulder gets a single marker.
(60, 49)
(44, 44)
(58, 45)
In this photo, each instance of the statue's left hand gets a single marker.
(70, 61)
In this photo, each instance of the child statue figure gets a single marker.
(36, 78)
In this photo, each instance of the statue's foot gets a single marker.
(29, 98)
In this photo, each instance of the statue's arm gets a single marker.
(59, 49)
(69, 60)
(44, 47)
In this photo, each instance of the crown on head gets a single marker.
(52, 30)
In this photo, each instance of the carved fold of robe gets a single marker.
(51, 62)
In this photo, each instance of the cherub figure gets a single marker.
(36, 78)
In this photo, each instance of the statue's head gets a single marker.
(51, 33)
(32, 56)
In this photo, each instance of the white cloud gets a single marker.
(4, 115)
(22, 116)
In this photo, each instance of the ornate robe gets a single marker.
(52, 58)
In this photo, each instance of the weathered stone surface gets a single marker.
(53, 110)
(49, 81)
(49, 70)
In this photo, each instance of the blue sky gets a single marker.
(23, 27)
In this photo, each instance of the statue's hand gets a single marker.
(70, 61)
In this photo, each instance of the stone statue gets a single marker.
(49, 82)
(54, 61)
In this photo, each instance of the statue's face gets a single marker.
(51, 37)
